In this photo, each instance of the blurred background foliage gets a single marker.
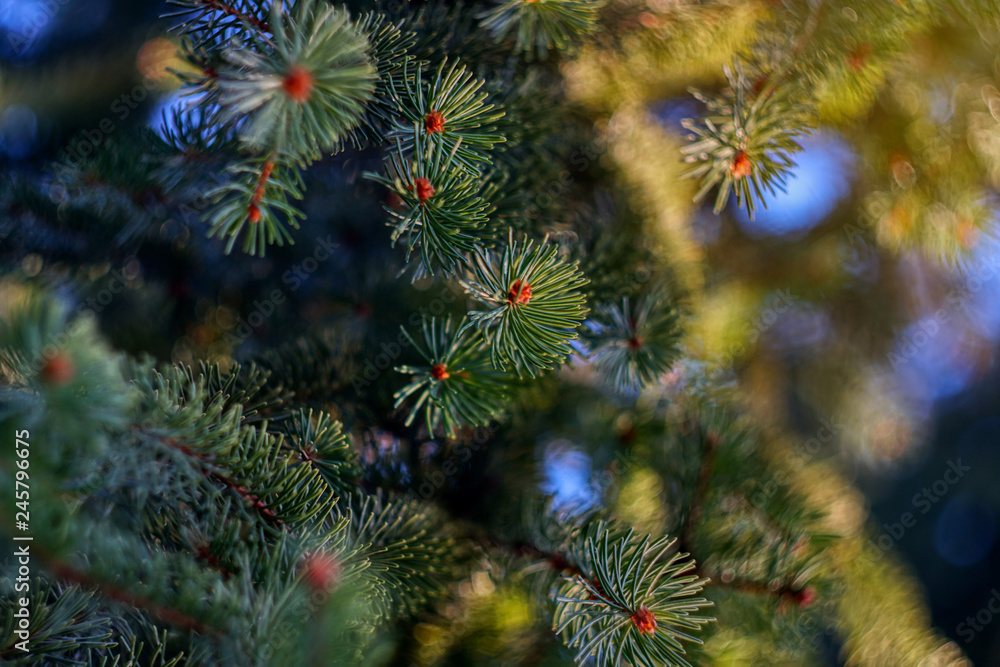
(859, 311)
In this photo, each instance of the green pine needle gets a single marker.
(407, 550)
(388, 48)
(321, 443)
(634, 345)
(631, 603)
(458, 386)
(255, 205)
(291, 96)
(307, 89)
(535, 304)
(541, 26)
(440, 209)
(208, 22)
(744, 146)
(449, 111)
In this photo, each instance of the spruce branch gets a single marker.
(245, 386)
(66, 367)
(458, 386)
(441, 210)
(389, 46)
(219, 513)
(634, 602)
(449, 111)
(633, 345)
(174, 617)
(409, 554)
(320, 442)
(208, 21)
(251, 462)
(190, 137)
(207, 464)
(535, 304)
(288, 101)
(67, 621)
(94, 552)
(539, 27)
(305, 93)
(745, 144)
(254, 205)
(131, 652)
(760, 544)
(314, 367)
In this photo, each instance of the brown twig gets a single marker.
(206, 466)
(174, 617)
(689, 526)
(261, 26)
(253, 210)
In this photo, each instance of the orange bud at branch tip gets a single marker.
(58, 370)
(423, 189)
(298, 84)
(741, 165)
(644, 621)
(440, 372)
(320, 571)
(434, 122)
(519, 292)
(253, 213)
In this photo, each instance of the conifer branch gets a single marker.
(209, 22)
(541, 26)
(633, 345)
(174, 617)
(449, 111)
(636, 602)
(441, 210)
(253, 210)
(534, 304)
(223, 514)
(206, 465)
(227, 8)
(458, 386)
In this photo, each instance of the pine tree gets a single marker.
(493, 239)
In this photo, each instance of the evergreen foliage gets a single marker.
(336, 455)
